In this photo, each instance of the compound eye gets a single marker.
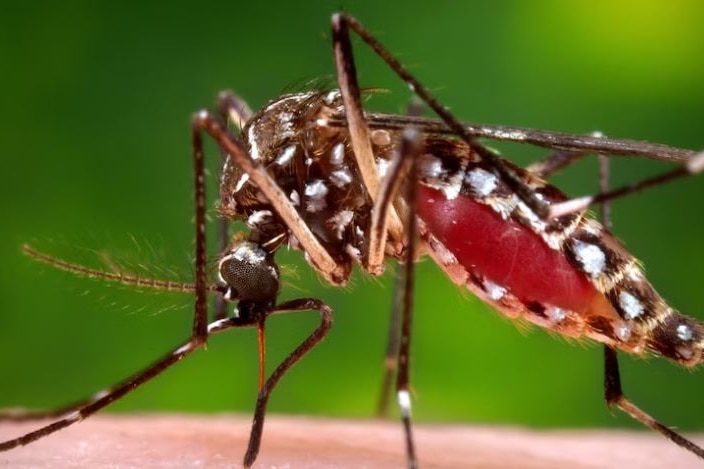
(250, 273)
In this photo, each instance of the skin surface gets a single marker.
(218, 441)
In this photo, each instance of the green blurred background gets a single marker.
(96, 100)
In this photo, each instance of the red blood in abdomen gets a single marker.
(504, 251)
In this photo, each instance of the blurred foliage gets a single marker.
(96, 99)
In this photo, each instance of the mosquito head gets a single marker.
(249, 273)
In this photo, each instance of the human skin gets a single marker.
(215, 441)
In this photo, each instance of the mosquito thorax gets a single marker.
(313, 164)
(249, 273)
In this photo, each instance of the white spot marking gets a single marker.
(556, 314)
(495, 292)
(341, 177)
(337, 154)
(286, 155)
(243, 180)
(316, 192)
(591, 257)
(622, 331)
(359, 232)
(253, 147)
(259, 217)
(630, 305)
(429, 166)
(321, 122)
(331, 97)
(286, 125)
(452, 188)
(215, 325)
(183, 349)
(404, 402)
(353, 252)
(295, 198)
(382, 166)
(100, 394)
(74, 416)
(340, 221)
(481, 181)
(684, 332)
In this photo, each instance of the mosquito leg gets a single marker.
(613, 392)
(326, 317)
(223, 240)
(199, 335)
(341, 23)
(332, 271)
(361, 146)
(27, 415)
(398, 344)
(390, 358)
(397, 174)
(234, 109)
(604, 178)
(615, 398)
(691, 167)
(200, 314)
(560, 159)
(104, 398)
(414, 109)
(555, 162)
(593, 144)
(411, 148)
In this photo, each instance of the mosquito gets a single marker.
(313, 171)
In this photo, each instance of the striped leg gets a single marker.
(390, 365)
(326, 316)
(200, 313)
(692, 166)
(411, 149)
(613, 392)
(99, 400)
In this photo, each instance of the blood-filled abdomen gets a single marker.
(504, 251)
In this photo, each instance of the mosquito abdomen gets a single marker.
(568, 275)
(679, 338)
